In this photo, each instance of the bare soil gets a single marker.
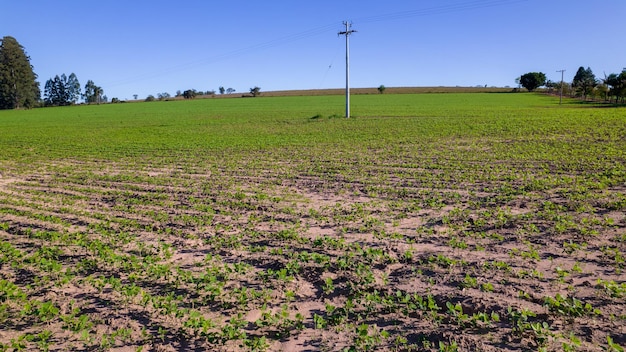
(162, 260)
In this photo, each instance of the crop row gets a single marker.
(497, 228)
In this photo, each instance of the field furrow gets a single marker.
(494, 225)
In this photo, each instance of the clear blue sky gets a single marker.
(149, 47)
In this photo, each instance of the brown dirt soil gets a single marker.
(165, 261)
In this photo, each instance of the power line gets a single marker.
(230, 55)
(458, 7)
(330, 66)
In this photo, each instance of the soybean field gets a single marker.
(426, 222)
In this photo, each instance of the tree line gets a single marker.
(585, 85)
(63, 90)
(19, 87)
(192, 93)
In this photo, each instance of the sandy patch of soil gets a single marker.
(200, 262)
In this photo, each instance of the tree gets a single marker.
(18, 85)
(230, 91)
(190, 94)
(54, 92)
(584, 81)
(163, 96)
(73, 88)
(617, 84)
(532, 80)
(222, 90)
(93, 93)
(381, 89)
(63, 90)
(255, 91)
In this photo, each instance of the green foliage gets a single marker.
(448, 347)
(469, 282)
(617, 84)
(256, 91)
(328, 286)
(62, 90)
(93, 93)
(533, 80)
(367, 338)
(456, 311)
(18, 85)
(319, 321)
(148, 127)
(613, 346)
(257, 343)
(584, 81)
(612, 288)
(569, 306)
(242, 222)
(190, 94)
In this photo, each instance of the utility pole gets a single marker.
(347, 33)
(561, 96)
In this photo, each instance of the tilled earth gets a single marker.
(312, 257)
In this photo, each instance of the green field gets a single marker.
(469, 221)
(265, 122)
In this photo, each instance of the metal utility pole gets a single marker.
(561, 96)
(347, 33)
